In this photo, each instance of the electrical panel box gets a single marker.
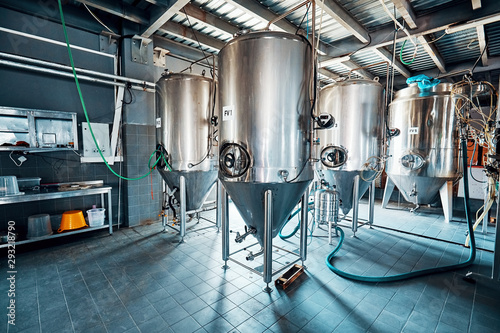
(101, 134)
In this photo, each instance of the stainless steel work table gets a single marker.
(50, 194)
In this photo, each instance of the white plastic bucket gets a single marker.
(96, 217)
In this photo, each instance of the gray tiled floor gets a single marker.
(142, 280)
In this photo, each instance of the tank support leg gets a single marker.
(355, 205)
(182, 185)
(303, 225)
(224, 216)
(218, 211)
(371, 207)
(446, 194)
(389, 188)
(268, 240)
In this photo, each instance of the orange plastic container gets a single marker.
(72, 220)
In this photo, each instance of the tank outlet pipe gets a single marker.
(251, 256)
(78, 70)
(69, 75)
(282, 16)
(268, 240)
(204, 209)
(240, 238)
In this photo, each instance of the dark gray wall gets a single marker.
(27, 89)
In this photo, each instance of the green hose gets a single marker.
(404, 276)
(294, 231)
(162, 156)
(401, 55)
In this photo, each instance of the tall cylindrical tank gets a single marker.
(425, 153)
(184, 107)
(265, 81)
(344, 150)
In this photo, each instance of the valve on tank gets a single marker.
(240, 238)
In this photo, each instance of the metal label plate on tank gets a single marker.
(412, 130)
(158, 122)
(227, 112)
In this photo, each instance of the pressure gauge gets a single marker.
(326, 120)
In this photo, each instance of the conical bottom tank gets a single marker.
(425, 153)
(419, 190)
(249, 200)
(344, 185)
(198, 185)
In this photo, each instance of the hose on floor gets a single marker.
(297, 227)
(409, 275)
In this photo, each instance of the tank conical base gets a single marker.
(426, 188)
(249, 200)
(344, 183)
(198, 185)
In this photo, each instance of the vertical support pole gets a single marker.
(303, 225)
(224, 214)
(496, 257)
(268, 239)
(486, 216)
(164, 216)
(330, 232)
(355, 205)
(218, 210)
(371, 207)
(446, 194)
(389, 188)
(182, 188)
(110, 212)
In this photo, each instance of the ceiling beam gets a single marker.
(428, 24)
(344, 18)
(455, 70)
(476, 4)
(178, 49)
(327, 73)
(406, 11)
(481, 37)
(383, 53)
(119, 9)
(161, 15)
(186, 32)
(354, 67)
(261, 13)
(433, 52)
(200, 15)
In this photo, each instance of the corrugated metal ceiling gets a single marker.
(455, 49)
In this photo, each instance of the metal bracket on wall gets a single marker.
(140, 49)
(159, 57)
(108, 43)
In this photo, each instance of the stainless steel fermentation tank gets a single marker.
(184, 106)
(424, 156)
(265, 79)
(355, 139)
